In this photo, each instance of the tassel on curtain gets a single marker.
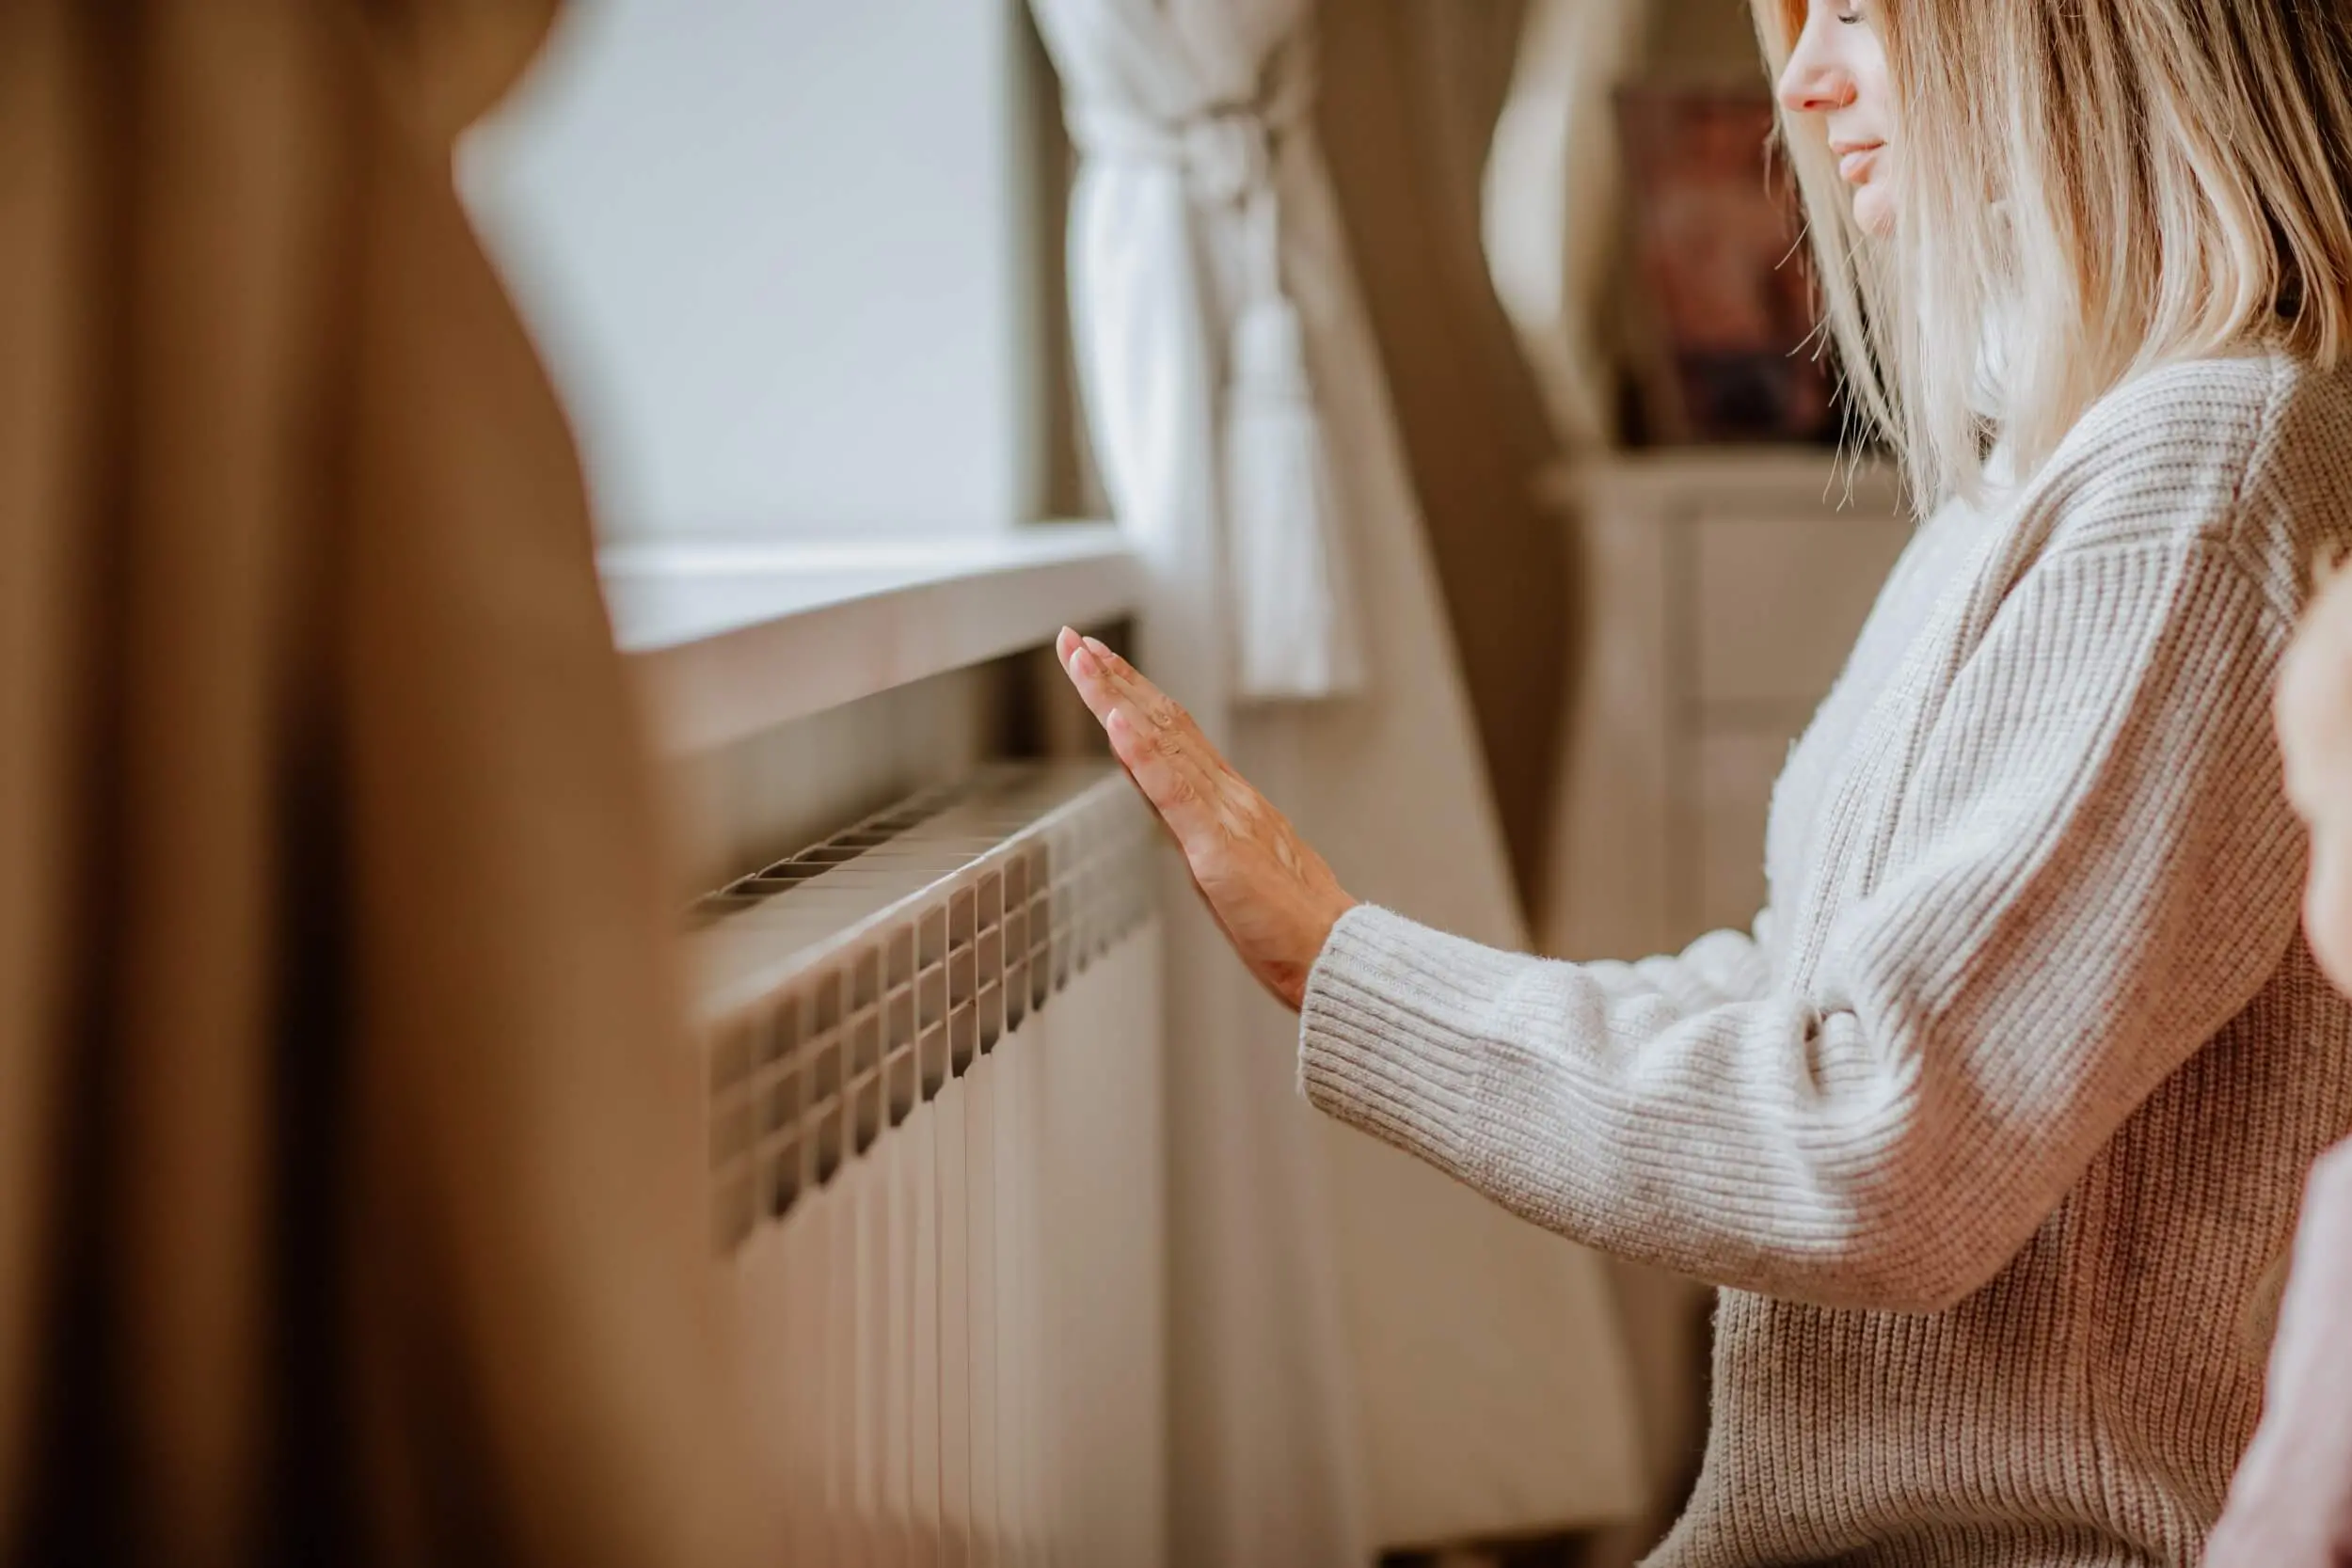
(1295, 635)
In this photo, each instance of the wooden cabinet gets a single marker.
(1719, 591)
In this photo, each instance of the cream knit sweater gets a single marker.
(1993, 1126)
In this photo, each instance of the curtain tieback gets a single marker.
(1294, 623)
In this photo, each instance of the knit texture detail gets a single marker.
(1992, 1126)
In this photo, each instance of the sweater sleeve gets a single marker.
(1719, 968)
(2091, 870)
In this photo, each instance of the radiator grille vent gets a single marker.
(844, 986)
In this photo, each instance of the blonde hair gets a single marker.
(2090, 188)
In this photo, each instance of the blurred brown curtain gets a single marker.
(1412, 90)
(348, 1211)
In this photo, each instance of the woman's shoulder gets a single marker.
(2249, 455)
(2268, 411)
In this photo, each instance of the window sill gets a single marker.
(728, 639)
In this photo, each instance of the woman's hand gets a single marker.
(1275, 897)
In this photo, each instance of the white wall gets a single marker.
(783, 259)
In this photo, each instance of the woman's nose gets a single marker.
(1813, 83)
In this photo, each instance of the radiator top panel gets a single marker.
(839, 988)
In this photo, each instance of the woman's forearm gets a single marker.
(1750, 1143)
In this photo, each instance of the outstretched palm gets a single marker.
(1273, 894)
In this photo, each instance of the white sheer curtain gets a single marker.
(1364, 1353)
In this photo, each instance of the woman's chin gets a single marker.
(1874, 211)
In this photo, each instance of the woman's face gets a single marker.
(2315, 713)
(1839, 71)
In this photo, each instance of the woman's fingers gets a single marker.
(1110, 685)
(1171, 780)
(1086, 673)
(1154, 739)
(1158, 710)
(1106, 681)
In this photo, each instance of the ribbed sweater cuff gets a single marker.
(1375, 1048)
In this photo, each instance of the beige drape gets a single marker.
(1412, 92)
(1449, 121)
(347, 1206)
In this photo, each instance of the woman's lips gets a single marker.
(1856, 160)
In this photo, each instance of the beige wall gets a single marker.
(1703, 37)
(1410, 92)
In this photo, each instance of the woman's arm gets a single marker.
(1276, 899)
(2093, 873)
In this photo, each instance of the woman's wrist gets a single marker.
(1327, 926)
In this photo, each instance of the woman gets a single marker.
(1996, 1124)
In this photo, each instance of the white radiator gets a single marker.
(936, 1164)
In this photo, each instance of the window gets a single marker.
(788, 261)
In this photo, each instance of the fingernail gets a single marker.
(1118, 721)
(1095, 648)
(1083, 663)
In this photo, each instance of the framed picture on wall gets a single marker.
(1722, 315)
